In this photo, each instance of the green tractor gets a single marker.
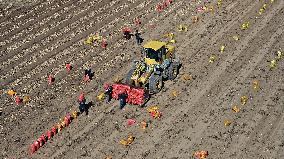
(159, 64)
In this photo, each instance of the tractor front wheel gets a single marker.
(155, 83)
(173, 72)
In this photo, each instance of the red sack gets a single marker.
(18, 100)
(67, 121)
(36, 145)
(54, 130)
(130, 122)
(68, 67)
(49, 134)
(50, 79)
(32, 149)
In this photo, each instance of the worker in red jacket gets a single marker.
(82, 98)
(68, 67)
(127, 33)
(88, 75)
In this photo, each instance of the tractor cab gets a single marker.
(155, 52)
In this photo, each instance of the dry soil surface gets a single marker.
(39, 37)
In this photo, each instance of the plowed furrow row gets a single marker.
(22, 21)
(10, 13)
(48, 39)
(43, 24)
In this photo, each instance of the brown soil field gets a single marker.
(37, 38)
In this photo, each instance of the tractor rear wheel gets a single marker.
(128, 79)
(173, 71)
(155, 83)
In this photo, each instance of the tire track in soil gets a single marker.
(48, 39)
(234, 85)
(241, 133)
(10, 29)
(279, 141)
(217, 72)
(264, 130)
(39, 26)
(100, 144)
(15, 13)
(80, 132)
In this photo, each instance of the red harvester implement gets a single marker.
(135, 96)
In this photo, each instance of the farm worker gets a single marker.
(82, 98)
(68, 67)
(88, 72)
(108, 91)
(138, 37)
(122, 100)
(18, 100)
(88, 75)
(126, 33)
(82, 107)
(104, 44)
